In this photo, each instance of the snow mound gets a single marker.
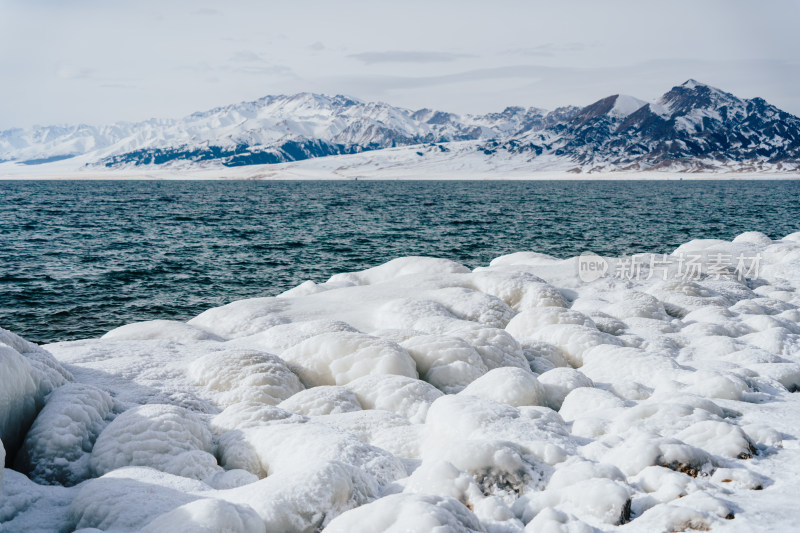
(208, 516)
(509, 385)
(129, 498)
(307, 498)
(400, 267)
(419, 395)
(287, 447)
(160, 329)
(559, 382)
(58, 445)
(447, 363)
(165, 437)
(407, 397)
(322, 400)
(283, 336)
(245, 415)
(245, 375)
(29, 374)
(339, 358)
(408, 513)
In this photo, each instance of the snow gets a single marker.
(164, 437)
(57, 446)
(339, 358)
(446, 362)
(419, 395)
(463, 161)
(245, 375)
(509, 385)
(395, 143)
(29, 375)
(322, 400)
(405, 396)
(208, 516)
(408, 513)
(267, 122)
(624, 105)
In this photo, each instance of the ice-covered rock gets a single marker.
(509, 385)
(408, 513)
(58, 445)
(600, 500)
(245, 415)
(555, 521)
(127, 499)
(208, 515)
(441, 478)
(283, 336)
(245, 375)
(521, 290)
(308, 497)
(448, 363)
(160, 329)
(287, 447)
(559, 382)
(401, 267)
(407, 397)
(574, 340)
(165, 437)
(718, 438)
(419, 395)
(322, 400)
(383, 429)
(339, 358)
(29, 374)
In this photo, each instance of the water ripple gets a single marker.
(80, 258)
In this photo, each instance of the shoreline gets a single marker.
(277, 175)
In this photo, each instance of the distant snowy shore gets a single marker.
(648, 393)
(462, 162)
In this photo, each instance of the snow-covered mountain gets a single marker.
(269, 130)
(691, 127)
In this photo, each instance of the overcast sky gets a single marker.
(101, 61)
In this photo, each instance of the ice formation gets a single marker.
(421, 396)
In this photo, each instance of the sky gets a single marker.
(103, 61)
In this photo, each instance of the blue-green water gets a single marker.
(80, 258)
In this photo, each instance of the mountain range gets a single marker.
(692, 127)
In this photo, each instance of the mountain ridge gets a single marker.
(693, 126)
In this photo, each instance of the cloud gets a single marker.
(553, 86)
(250, 62)
(397, 56)
(274, 70)
(549, 49)
(316, 46)
(207, 12)
(246, 56)
(71, 72)
(117, 86)
(244, 62)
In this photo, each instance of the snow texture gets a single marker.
(421, 396)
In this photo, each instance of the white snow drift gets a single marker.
(421, 396)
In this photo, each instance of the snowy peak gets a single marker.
(614, 107)
(624, 105)
(694, 95)
(693, 125)
(691, 83)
